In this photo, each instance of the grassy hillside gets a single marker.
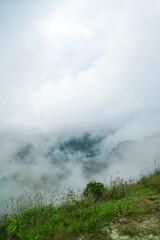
(122, 210)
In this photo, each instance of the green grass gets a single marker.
(86, 217)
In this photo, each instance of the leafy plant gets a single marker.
(36, 237)
(71, 196)
(15, 227)
(94, 190)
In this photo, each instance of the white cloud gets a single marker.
(72, 63)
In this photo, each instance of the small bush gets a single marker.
(94, 190)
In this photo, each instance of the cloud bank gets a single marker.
(69, 64)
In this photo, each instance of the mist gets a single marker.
(79, 92)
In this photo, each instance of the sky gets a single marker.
(67, 65)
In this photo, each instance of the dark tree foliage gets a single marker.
(94, 190)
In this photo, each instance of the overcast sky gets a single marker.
(80, 64)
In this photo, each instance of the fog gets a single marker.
(68, 69)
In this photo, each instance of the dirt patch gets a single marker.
(146, 227)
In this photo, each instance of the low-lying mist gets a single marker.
(46, 163)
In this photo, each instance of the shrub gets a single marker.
(94, 190)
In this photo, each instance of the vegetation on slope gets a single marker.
(122, 210)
